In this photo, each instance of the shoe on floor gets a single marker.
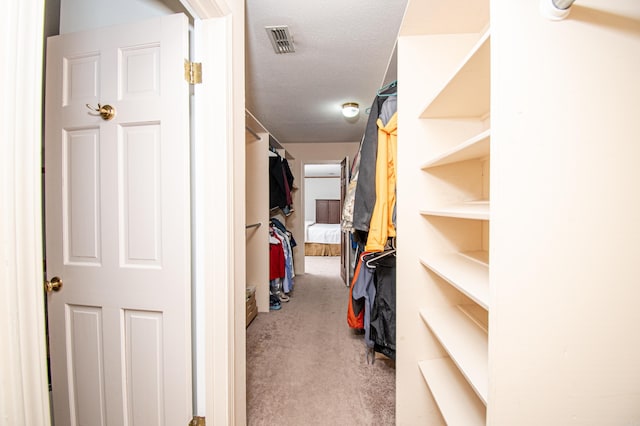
(274, 303)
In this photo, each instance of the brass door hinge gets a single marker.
(197, 421)
(193, 72)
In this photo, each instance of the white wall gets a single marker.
(80, 15)
(565, 207)
(319, 189)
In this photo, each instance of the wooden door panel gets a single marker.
(334, 211)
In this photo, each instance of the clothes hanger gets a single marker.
(273, 152)
(379, 93)
(378, 257)
(391, 242)
(393, 84)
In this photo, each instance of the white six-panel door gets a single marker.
(118, 225)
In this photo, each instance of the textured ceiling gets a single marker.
(342, 51)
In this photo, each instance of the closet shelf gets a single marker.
(477, 314)
(464, 341)
(458, 404)
(473, 148)
(464, 273)
(467, 92)
(479, 256)
(478, 210)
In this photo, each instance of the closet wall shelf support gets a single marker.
(465, 342)
(254, 225)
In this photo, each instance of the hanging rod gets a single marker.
(275, 143)
(254, 225)
(562, 4)
(556, 10)
(250, 130)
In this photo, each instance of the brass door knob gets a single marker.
(107, 112)
(54, 285)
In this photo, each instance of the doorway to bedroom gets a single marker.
(322, 211)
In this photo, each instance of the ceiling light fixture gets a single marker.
(350, 109)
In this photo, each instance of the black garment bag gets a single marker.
(383, 314)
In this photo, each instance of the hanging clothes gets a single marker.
(389, 107)
(373, 292)
(287, 278)
(365, 196)
(364, 291)
(349, 199)
(356, 306)
(281, 227)
(373, 287)
(280, 184)
(276, 260)
(383, 313)
(381, 225)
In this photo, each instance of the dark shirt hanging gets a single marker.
(383, 315)
(365, 198)
(280, 182)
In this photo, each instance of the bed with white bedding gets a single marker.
(323, 233)
(321, 238)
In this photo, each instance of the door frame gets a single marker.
(220, 207)
(24, 368)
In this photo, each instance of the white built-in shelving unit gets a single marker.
(258, 214)
(448, 128)
(516, 278)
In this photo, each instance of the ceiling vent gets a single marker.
(280, 38)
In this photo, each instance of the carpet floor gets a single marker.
(305, 366)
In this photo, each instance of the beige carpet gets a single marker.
(305, 366)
